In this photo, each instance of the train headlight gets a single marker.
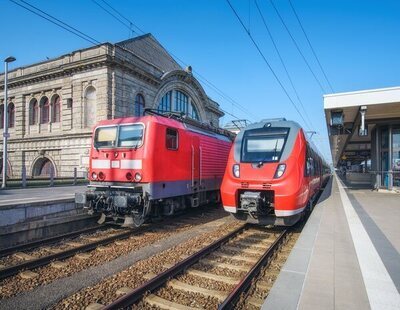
(236, 170)
(102, 176)
(280, 171)
(138, 177)
(94, 175)
(129, 176)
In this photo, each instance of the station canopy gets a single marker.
(351, 118)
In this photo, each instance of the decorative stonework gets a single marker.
(117, 74)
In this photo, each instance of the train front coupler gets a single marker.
(110, 203)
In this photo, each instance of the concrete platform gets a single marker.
(347, 256)
(34, 213)
(10, 197)
(21, 205)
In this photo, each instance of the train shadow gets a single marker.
(326, 192)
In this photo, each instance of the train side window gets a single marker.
(172, 139)
(309, 164)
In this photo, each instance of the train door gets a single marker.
(195, 199)
(195, 163)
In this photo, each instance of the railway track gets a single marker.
(228, 266)
(48, 241)
(72, 248)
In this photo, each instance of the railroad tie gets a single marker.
(59, 265)
(94, 306)
(168, 265)
(82, 256)
(120, 242)
(23, 256)
(52, 250)
(214, 277)
(263, 285)
(237, 249)
(123, 291)
(246, 259)
(162, 303)
(223, 265)
(256, 302)
(74, 244)
(255, 234)
(27, 274)
(149, 276)
(254, 239)
(250, 244)
(179, 285)
(92, 239)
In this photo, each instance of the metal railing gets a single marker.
(77, 177)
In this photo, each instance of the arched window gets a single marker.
(43, 167)
(90, 106)
(45, 110)
(33, 112)
(139, 105)
(11, 115)
(182, 103)
(56, 108)
(165, 103)
(2, 115)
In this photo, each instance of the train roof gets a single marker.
(293, 126)
(274, 122)
(174, 122)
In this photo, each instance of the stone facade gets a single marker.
(92, 84)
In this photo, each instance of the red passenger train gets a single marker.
(150, 166)
(273, 174)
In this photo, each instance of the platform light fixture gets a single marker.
(363, 130)
(5, 121)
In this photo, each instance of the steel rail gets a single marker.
(47, 241)
(45, 260)
(244, 284)
(161, 279)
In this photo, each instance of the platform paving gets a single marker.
(347, 256)
(11, 197)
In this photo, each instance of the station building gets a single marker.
(364, 135)
(54, 104)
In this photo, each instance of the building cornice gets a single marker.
(61, 71)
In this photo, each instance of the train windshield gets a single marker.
(130, 136)
(105, 136)
(263, 144)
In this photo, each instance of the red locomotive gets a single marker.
(273, 174)
(150, 166)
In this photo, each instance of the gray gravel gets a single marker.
(47, 295)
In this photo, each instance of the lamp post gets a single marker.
(5, 116)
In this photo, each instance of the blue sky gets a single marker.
(357, 42)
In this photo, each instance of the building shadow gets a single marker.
(354, 185)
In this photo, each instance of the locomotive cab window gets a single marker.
(263, 144)
(105, 136)
(130, 135)
(172, 139)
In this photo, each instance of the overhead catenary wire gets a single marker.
(198, 75)
(35, 10)
(297, 46)
(312, 48)
(57, 22)
(283, 62)
(267, 63)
